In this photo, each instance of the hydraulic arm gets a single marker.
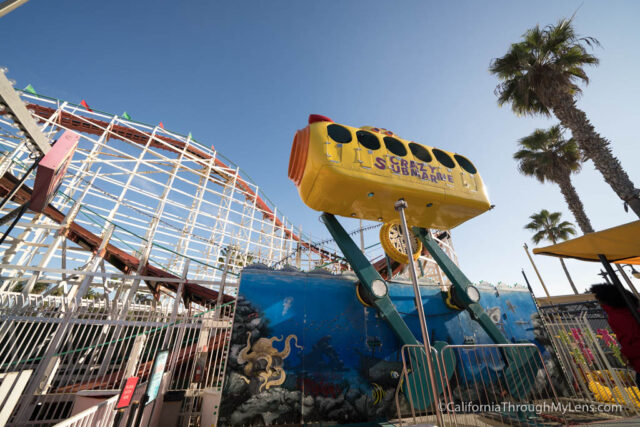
(418, 384)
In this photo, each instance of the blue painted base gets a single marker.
(304, 349)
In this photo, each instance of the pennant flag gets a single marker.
(189, 137)
(126, 115)
(30, 89)
(85, 105)
(161, 125)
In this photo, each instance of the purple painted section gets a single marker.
(51, 170)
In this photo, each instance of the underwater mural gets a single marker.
(304, 349)
(272, 373)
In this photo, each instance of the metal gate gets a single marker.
(484, 389)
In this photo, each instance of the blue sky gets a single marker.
(244, 76)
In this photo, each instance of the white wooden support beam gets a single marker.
(59, 238)
(22, 117)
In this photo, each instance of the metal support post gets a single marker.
(626, 279)
(400, 206)
(526, 250)
(223, 280)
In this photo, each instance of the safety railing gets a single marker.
(94, 350)
(415, 391)
(480, 384)
(100, 415)
(595, 369)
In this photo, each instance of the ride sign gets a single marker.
(51, 170)
(127, 392)
(156, 375)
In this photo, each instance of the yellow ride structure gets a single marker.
(362, 172)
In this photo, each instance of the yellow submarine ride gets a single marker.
(370, 173)
(362, 172)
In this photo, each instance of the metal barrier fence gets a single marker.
(481, 384)
(592, 362)
(100, 415)
(200, 367)
(416, 387)
(97, 346)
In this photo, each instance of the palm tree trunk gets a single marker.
(573, 200)
(573, 286)
(594, 147)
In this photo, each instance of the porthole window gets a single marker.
(465, 164)
(368, 140)
(394, 146)
(339, 134)
(419, 152)
(444, 158)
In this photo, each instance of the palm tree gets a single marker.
(539, 75)
(546, 155)
(548, 227)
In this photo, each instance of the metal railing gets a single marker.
(481, 384)
(100, 415)
(99, 350)
(595, 369)
(417, 390)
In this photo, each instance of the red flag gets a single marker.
(161, 125)
(85, 105)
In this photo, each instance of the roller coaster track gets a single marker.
(123, 133)
(119, 258)
(115, 256)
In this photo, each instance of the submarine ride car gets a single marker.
(362, 172)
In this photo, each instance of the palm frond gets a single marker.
(539, 236)
(547, 226)
(553, 56)
(554, 218)
(546, 155)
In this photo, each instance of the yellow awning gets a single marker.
(619, 244)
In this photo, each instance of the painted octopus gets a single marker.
(263, 349)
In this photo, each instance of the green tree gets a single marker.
(540, 75)
(37, 288)
(91, 294)
(236, 257)
(143, 298)
(547, 226)
(548, 156)
(57, 292)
